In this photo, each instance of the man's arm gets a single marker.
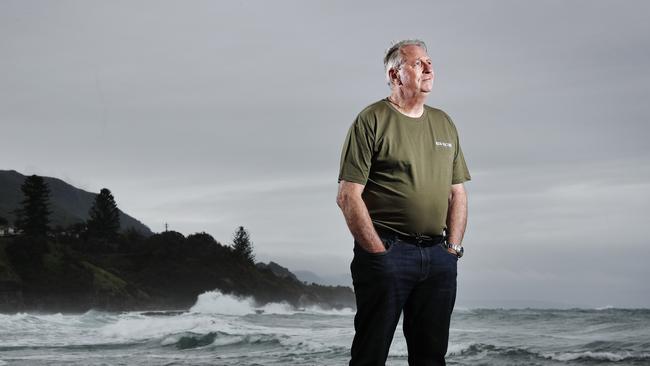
(357, 216)
(456, 214)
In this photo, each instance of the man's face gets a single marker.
(416, 71)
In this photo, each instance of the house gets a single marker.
(8, 231)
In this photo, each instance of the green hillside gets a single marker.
(69, 204)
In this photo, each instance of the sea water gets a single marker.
(226, 330)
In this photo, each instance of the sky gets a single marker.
(208, 115)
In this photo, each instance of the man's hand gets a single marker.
(374, 249)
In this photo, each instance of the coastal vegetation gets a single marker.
(96, 265)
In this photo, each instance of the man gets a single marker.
(401, 192)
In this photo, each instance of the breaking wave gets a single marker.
(215, 302)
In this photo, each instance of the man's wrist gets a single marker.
(457, 248)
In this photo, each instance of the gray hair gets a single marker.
(393, 57)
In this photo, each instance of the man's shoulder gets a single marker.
(374, 109)
(436, 111)
(439, 114)
(372, 115)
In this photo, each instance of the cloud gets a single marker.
(209, 116)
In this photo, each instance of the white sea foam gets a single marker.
(231, 328)
(228, 340)
(8, 319)
(304, 333)
(467, 330)
(458, 348)
(214, 302)
(308, 341)
(606, 307)
(319, 310)
(171, 339)
(67, 320)
(34, 329)
(398, 348)
(463, 310)
(138, 327)
(317, 334)
(601, 356)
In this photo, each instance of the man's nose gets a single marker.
(428, 68)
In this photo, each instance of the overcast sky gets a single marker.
(209, 115)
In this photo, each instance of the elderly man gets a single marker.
(401, 192)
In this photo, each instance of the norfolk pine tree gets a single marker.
(33, 218)
(104, 219)
(242, 245)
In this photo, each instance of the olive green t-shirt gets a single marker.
(407, 166)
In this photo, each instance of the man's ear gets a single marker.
(394, 76)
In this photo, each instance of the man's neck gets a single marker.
(409, 105)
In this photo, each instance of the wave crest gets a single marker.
(596, 356)
(188, 340)
(215, 302)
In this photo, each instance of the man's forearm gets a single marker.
(360, 225)
(457, 217)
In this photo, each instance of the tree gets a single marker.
(33, 218)
(104, 219)
(242, 245)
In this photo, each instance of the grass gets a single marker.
(105, 281)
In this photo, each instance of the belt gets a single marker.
(420, 240)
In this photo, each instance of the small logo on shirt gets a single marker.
(444, 144)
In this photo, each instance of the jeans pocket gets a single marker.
(444, 248)
(388, 246)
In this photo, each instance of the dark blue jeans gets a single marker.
(421, 282)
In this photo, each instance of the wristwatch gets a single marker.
(457, 248)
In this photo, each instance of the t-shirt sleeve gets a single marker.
(357, 153)
(460, 172)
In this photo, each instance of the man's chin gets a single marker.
(426, 89)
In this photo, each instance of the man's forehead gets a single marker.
(414, 51)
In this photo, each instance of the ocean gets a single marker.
(225, 330)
